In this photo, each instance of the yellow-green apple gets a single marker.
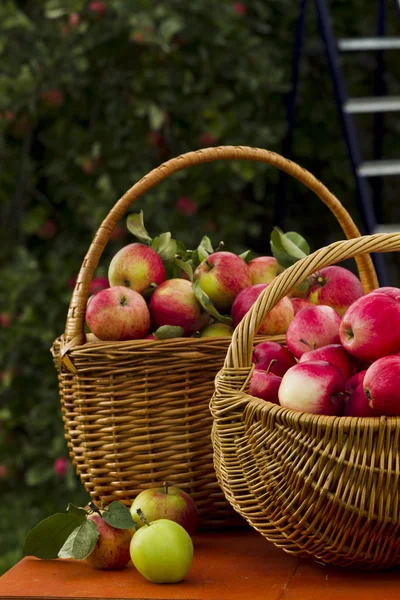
(336, 287)
(370, 328)
(174, 303)
(334, 354)
(162, 551)
(217, 330)
(315, 387)
(263, 269)
(273, 357)
(275, 322)
(167, 502)
(382, 385)
(299, 303)
(136, 266)
(112, 550)
(311, 328)
(118, 313)
(222, 275)
(265, 385)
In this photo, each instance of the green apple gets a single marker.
(162, 551)
(217, 330)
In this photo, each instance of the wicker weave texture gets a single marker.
(326, 487)
(136, 413)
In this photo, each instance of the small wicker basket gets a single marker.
(319, 486)
(137, 412)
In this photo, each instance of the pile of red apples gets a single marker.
(342, 351)
(345, 365)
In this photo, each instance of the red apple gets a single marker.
(265, 385)
(354, 381)
(311, 328)
(266, 352)
(370, 328)
(264, 269)
(357, 405)
(112, 550)
(299, 304)
(275, 322)
(382, 385)
(136, 266)
(174, 303)
(118, 313)
(334, 354)
(167, 502)
(53, 98)
(336, 287)
(222, 276)
(98, 8)
(393, 292)
(315, 387)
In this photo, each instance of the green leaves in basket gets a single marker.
(208, 306)
(72, 534)
(247, 256)
(135, 225)
(202, 252)
(288, 247)
(165, 332)
(165, 246)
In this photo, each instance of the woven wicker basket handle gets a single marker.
(241, 347)
(74, 328)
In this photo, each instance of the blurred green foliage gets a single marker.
(93, 95)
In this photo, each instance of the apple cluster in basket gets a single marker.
(342, 350)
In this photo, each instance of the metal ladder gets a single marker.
(367, 174)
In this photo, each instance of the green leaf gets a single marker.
(156, 116)
(206, 244)
(46, 539)
(171, 27)
(185, 266)
(76, 511)
(208, 306)
(166, 332)
(119, 516)
(181, 250)
(247, 255)
(135, 225)
(81, 542)
(286, 251)
(165, 246)
(299, 241)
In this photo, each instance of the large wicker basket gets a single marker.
(326, 487)
(137, 413)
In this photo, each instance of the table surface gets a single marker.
(226, 566)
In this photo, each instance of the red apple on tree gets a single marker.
(334, 354)
(370, 328)
(118, 313)
(311, 328)
(315, 387)
(382, 385)
(272, 356)
(167, 502)
(222, 276)
(174, 303)
(136, 266)
(275, 322)
(263, 269)
(336, 287)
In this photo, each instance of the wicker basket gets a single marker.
(326, 487)
(137, 413)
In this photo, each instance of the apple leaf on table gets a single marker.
(288, 247)
(135, 225)
(118, 515)
(208, 306)
(48, 536)
(81, 542)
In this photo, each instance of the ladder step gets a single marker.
(371, 43)
(372, 105)
(387, 228)
(379, 168)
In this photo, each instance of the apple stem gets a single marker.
(307, 344)
(141, 516)
(93, 508)
(220, 246)
(166, 485)
(274, 360)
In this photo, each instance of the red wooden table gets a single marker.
(226, 566)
